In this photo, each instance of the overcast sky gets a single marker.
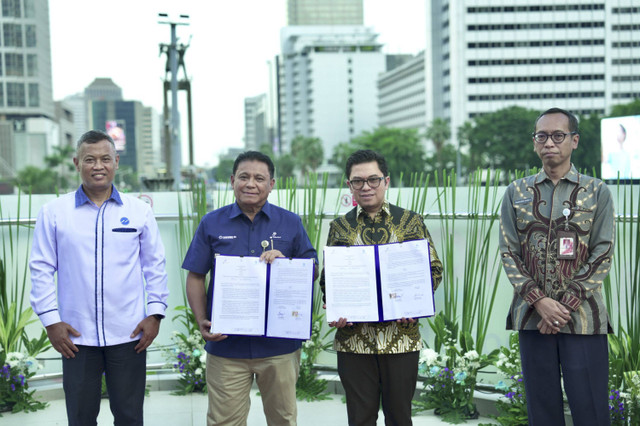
(231, 42)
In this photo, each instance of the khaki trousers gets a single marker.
(229, 382)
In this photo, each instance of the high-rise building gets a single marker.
(484, 56)
(255, 122)
(327, 83)
(103, 89)
(324, 12)
(25, 59)
(150, 147)
(123, 121)
(78, 105)
(27, 114)
(401, 94)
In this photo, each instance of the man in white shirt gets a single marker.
(111, 290)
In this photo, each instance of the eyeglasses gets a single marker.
(556, 137)
(373, 182)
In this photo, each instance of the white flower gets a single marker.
(472, 355)
(203, 358)
(428, 356)
(198, 371)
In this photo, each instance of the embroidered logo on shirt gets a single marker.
(226, 237)
(275, 235)
(124, 220)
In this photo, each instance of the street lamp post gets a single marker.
(175, 162)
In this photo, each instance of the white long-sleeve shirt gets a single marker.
(110, 267)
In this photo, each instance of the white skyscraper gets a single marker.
(327, 83)
(324, 12)
(28, 130)
(486, 55)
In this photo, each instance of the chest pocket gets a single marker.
(284, 244)
(583, 218)
(523, 208)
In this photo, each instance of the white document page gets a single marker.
(405, 280)
(290, 298)
(239, 294)
(350, 283)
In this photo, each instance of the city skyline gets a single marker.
(128, 52)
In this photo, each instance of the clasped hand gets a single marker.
(554, 315)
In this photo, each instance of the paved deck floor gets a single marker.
(163, 408)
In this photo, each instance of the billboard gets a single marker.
(115, 129)
(620, 138)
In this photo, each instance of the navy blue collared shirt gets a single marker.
(228, 231)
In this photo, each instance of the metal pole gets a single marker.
(176, 149)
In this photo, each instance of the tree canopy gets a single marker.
(307, 153)
(501, 140)
(34, 180)
(402, 149)
(622, 110)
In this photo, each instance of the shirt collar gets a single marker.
(385, 208)
(81, 196)
(267, 209)
(572, 175)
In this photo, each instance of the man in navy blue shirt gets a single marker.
(238, 229)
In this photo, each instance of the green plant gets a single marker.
(621, 290)
(188, 358)
(512, 409)
(451, 371)
(624, 405)
(478, 284)
(15, 371)
(309, 386)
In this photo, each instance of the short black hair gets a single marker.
(95, 136)
(573, 121)
(366, 156)
(255, 156)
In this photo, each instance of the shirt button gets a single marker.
(253, 251)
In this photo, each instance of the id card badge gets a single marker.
(567, 240)
(567, 244)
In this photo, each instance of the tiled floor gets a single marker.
(163, 408)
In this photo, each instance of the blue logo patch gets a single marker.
(124, 220)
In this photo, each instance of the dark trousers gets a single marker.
(369, 378)
(125, 374)
(584, 363)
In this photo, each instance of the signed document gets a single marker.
(290, 298)
(252, 298)
(350, 283)
(405, 280)
(378, 283)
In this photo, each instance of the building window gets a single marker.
(14, 64)
(0, 65)
(29, 9)
(34, 95)
(1, 95)
(12, 35)
(30, 35)
(11, 8)
(15, 95)
(32, 65)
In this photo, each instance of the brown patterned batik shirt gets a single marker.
(392, 224)
(533, 213)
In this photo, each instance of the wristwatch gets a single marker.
(158, 316)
